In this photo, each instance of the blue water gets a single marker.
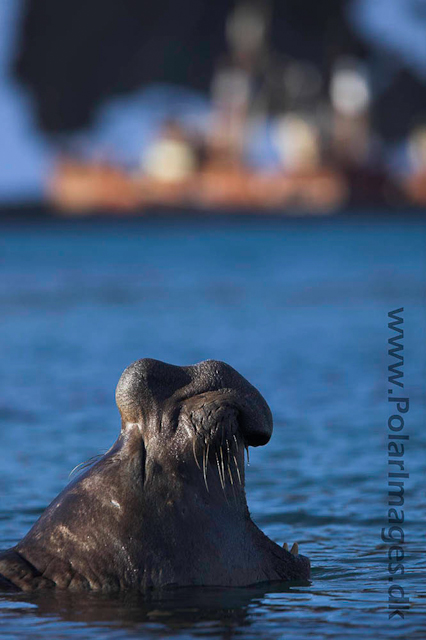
(299, 308)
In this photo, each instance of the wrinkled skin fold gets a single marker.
(166, 504)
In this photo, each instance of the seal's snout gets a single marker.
(237, 394)
(211, 391)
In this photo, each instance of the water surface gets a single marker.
(298, 307)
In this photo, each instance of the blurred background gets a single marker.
(258, 105)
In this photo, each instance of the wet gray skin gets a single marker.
(166, 504)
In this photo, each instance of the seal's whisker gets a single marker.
(78, 467)
(85, 464)
(219, 472)
(228, 449)
(222, 463)
(230, 474)
(205, 459)
(236, 441)
(232, 480)
(195, 455)
(237, 468)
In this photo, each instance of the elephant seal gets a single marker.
(166, 505)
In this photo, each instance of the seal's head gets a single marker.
(204, 414)
(166, 504)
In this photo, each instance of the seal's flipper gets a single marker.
(16, 574)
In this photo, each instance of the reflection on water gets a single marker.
(184, 608)
(300, 309)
